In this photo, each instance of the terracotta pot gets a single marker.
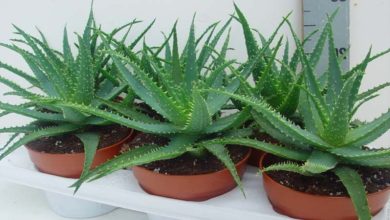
(71, 165)
(308, 206)
(189, 187)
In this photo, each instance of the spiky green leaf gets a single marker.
(32, 113)
(286, 166)
(284, 152)
(90, 142)
(366, 133)
(320, 162)
(282, 124)
(200, 117)
(223, 155)
(356, 190)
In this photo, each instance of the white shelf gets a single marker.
(21, 202)
(121, 190)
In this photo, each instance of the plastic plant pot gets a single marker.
(71, 165)
(189, 187)
(308, 206)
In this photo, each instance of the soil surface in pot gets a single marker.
(328, 183)
(186, 164)
(69, 143)
(146, 109)
(262, 136)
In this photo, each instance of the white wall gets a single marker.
(370, 22)
(370, 25)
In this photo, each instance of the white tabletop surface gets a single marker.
(22, 203)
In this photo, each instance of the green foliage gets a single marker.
(188, 91)
(329, 141)
(354, 185)
(91, 140)
(75, 78)
(170, 84)
(222, 154)
(277, 81)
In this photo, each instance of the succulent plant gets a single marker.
(277, 81)
(79, 78)
(170, 86)
(280, 86)
(328, 142)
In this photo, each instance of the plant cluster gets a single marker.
(190, 92)
(170, 86)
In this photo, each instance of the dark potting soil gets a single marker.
(141, 138)
(146, 109)
(69, 143)
(187, 164)
(328, 183)
(262, 136)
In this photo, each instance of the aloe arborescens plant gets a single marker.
(79, 78)
(330, 142)
(276, 81)
(278, 85)
(170, 86)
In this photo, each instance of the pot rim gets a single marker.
(131, 133)
(244, 160)
(309, 194)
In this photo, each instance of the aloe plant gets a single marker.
(329, 142)
(77, 78)
(169, 84)
(277, 81)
